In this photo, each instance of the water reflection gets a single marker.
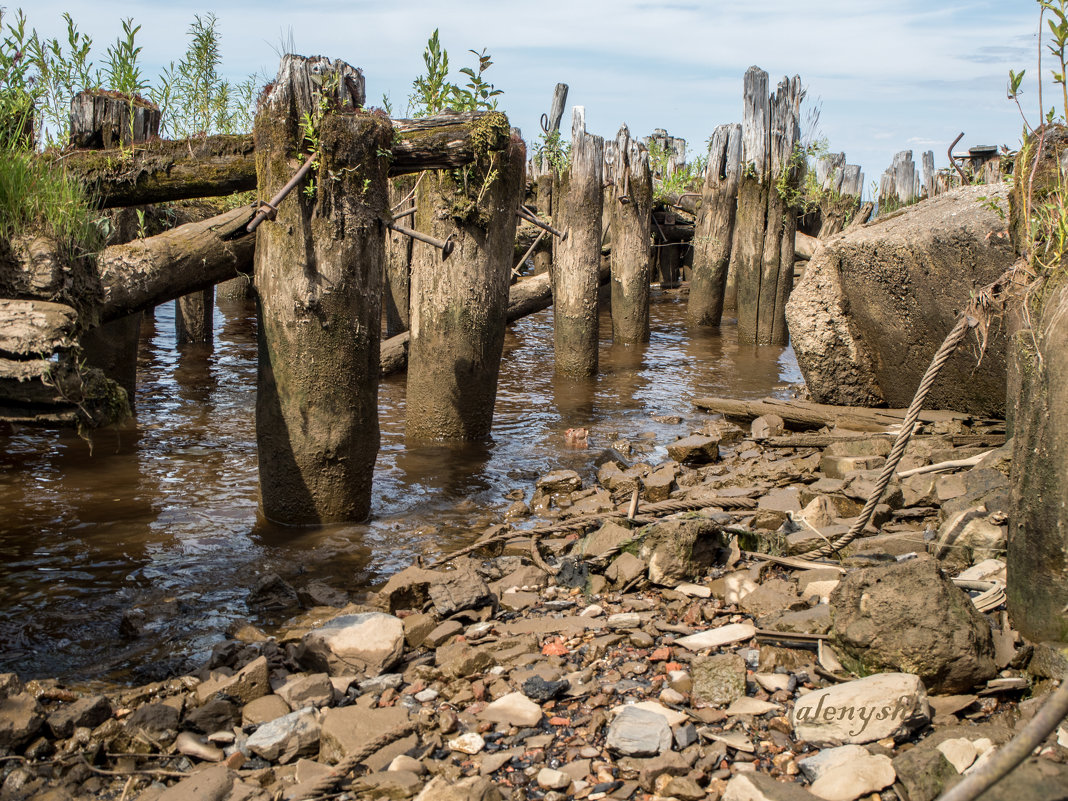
(164, 518)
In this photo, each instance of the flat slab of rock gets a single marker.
(639, 733)
(761, 787)
(862, 711)
(285, 738)
(370, 642)
(718, 679)
(246, 685)
(713, 638)
(348, 729)
(867, 773)
(513, 709)
(696, 449)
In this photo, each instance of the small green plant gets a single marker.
(433, 92)
(18, 90)
(551, 148)
(121, 71)
(63, 70)
(668, 182)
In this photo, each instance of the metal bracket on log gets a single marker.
(405, 213)
(524, 213)
(953, 159)
(446, 246)
(271, 206)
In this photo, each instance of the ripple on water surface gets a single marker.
(164, 517)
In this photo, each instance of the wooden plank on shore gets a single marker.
(817, 440)
(803, 414)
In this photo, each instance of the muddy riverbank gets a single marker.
(164, 519)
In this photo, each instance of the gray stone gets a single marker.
(862, 711)
(639, 733)
(89, 711)
(218, 714)
(850, 780)
(812, 767)
(210, 784)
(513, 709)
(475, 788)
(302, 691)
(408, 589)
(559, 481)
(814, 620)
(153, 719)
(349, 729)
(624, 569)
(908, 616)
(263, 710)
(718, 679)
(696, 449)
(550, 779)
(680, 550)
(658, 484)
(456, 590)
(370, 642)
(20, 720)
(246, 685)
(287, 737)
(773, 595)
(924, 773)
(865, 319)
(756, 786)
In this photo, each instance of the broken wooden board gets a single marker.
(803, 414)
(35, 328)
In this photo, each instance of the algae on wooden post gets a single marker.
(715, 227)
(458, 305)
(318, 274)
(578, 257)
(632, 206)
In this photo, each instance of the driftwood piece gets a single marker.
(715, 227)
(802, 414)
(159, 171)
(35, 327)
(816, 440)
(556, 110)
(108, 119)
(939, 467)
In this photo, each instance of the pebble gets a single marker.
(470, 743)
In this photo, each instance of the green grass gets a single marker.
(38, 198)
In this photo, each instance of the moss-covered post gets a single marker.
(715, 227)
(762, 255)
(579, 194)
(1037, 556)
(458, 304)
(632, 202)
(318, 273)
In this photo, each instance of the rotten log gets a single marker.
(150, 271)
(803, 414)
(162, 171)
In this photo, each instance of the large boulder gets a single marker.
(876, 303)
(908, 616)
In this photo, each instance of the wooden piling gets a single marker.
(762, 253)
(715, 227)
(900, 184)
(318, 271)
(458, 305)
(194, 317)
(632, 204)
(579, 193)
(398, 259)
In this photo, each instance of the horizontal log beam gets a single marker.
(803, 414)
(35, 327)
(163, 171)
(191, 257)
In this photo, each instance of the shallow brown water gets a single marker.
(165, 517)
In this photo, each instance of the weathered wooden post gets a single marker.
(318, 272)
(899, 185)
(399, 257)
(579, 194)
(762, 254)
(458, 304)
(632, 205)
(98, 121)
(842, 184)
(715, 227)
(194, 317)
(1037, 556)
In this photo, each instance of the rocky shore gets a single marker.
(651, 635)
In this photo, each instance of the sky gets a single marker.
(884, 75)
